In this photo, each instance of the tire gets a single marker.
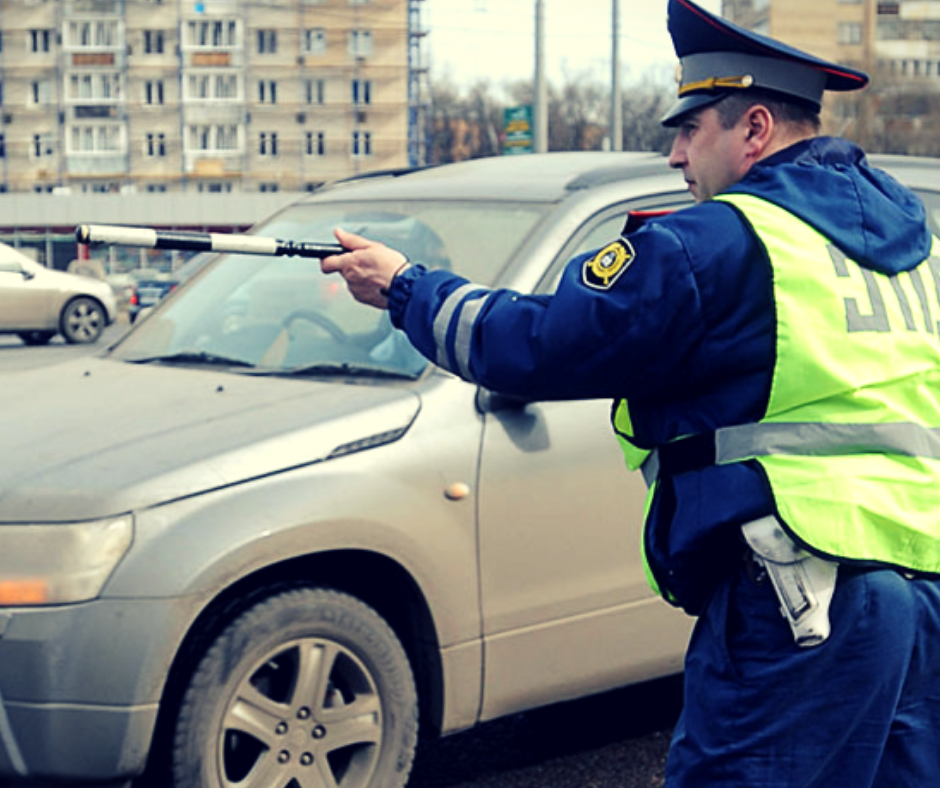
(308, 688)
(36, 337)
(82, 321)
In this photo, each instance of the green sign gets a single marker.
(517, 130)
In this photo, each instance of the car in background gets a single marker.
(149, 286)
(261, 541)
(36, 302)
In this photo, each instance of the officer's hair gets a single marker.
(733, 106)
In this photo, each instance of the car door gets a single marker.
(24, 302)
(566, 607)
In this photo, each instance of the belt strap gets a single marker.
(746, 441)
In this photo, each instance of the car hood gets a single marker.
(75, 283)
(94, 438)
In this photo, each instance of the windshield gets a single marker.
(281, 315)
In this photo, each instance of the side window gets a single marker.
(932, 205)
(605, 227)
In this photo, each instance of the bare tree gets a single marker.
(470, 125)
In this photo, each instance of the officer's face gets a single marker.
(710, 156)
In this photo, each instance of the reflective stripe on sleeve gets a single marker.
(462, 306)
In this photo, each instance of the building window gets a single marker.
(215, 187)
(220, 138)
(212, 86)
(86, 34)
(316, 143)
(43, 146)
(217, 33)
(316, 91)
(153, 91)
(314, 41)
(40, 40)
(361, 91)
(360, 43)
(153, 42)
(850, 33)
(95, 86)
(104, 187)
(267, 42)
(40, 92)
(267, 143)
(155, 146)
(267, 91)
(95, 139)
(362, 143)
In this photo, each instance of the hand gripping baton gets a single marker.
(147, 237)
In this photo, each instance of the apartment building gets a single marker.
(218, 96)
(896, 41)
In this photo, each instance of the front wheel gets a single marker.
(83, 319)
(309, 688)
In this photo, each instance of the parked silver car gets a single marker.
(37, 302)
(261, 542)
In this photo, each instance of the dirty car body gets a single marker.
(314, 544)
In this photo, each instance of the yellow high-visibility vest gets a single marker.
(850, 439)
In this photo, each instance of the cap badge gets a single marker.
(718, 83)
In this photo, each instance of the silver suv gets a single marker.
(261, 542)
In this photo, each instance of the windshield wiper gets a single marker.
(193, 357)
(336, 369)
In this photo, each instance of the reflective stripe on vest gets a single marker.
(850, 439)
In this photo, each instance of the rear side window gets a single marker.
(932, 204)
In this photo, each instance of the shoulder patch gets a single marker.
(605, 268)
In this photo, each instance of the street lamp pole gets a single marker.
(541, 91)
(616, 97)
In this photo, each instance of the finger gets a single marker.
(351, 240)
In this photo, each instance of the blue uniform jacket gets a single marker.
(685, 334)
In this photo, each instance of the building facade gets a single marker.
(212, 96)
(896, 41)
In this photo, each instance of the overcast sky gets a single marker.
(495, 39)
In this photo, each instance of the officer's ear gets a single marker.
(759, 127)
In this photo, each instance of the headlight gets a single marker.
(55, 564)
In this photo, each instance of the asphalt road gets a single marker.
(615, 740)
(17, 357)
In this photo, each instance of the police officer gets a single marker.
(774, 357)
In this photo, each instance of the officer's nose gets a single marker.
(677, 157)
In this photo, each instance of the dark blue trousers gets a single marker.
(859, 711)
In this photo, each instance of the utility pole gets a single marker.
(867, 115)
(616, 97)
(541, 91)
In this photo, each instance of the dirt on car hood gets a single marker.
(94, 438)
